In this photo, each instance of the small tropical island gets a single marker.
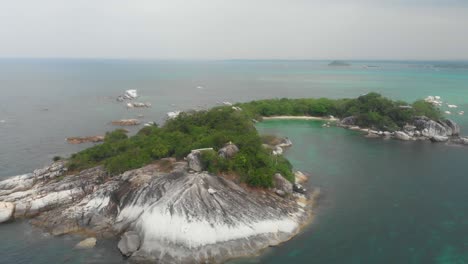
(338, 63)
(204, 187)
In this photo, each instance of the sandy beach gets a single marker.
(300, 118)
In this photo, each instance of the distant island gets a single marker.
(204, 186)
(339, 63)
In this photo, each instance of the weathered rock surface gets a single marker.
(6, 211)
(348, 121)
(430, 128)
(129, 243)
(80, 140)
(401, 135)
(194, 160)
(282, 184)
(177, 216)
(421, 128)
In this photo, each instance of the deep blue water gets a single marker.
(383, 201)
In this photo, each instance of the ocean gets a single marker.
(383, 201)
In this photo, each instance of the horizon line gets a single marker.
(228, 59)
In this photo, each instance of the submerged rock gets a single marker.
(129, 243)
(439, 139)
(87, 243)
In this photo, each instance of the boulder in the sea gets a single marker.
(297, 187)
(80, 140)
(277, 151)
(282, 184)
(228, 151)
(87, 243)
(126, 122)
(6, 211)
(401, 135)
(439, 139)
(138, 105)
(129, 243)
(131, 94)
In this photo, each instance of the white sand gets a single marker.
(300, 118)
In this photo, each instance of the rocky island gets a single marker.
(372, 114)
(202, 188)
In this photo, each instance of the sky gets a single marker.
(235, 29)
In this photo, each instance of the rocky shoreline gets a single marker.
(421, 128)
(166, 212)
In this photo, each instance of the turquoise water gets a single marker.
(383, 201)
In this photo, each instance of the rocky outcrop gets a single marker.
(194, 159)
(164, 216)
(81, 140)
(282, 184)
(129, 243)
(228, 151)
(430, 128)
(126, 122)
(348, 121)
(421, 128)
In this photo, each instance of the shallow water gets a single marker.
(383, 201)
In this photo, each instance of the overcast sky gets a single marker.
(235, 29)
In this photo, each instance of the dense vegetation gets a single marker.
(254, 163)
(371, 110)
(214, 128)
